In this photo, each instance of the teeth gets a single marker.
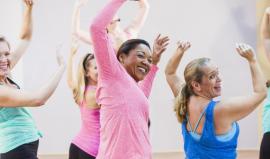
(142, 69)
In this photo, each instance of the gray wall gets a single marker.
(213, 27)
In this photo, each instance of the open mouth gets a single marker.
(217, 88)
(4, 67)
(143, 70)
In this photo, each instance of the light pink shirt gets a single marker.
(89, 136)
(124, 104)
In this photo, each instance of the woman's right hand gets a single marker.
(245, 51)
(183, 46)
(28, 3)
(81, 3)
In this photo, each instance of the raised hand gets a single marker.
(160, 45)
(81, 3)
(245, 51)
(183, 46)
(28, 3)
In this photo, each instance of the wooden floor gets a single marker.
(172, 155)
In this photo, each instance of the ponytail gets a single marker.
(181, 103)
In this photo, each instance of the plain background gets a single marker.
(213, 27)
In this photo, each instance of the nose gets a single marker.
(218, 79)
(146, 62)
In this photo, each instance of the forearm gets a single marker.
(104, 18)
(46, 91)
(76, 27)
(70, 80)
(146, 84)
(258, 79)
(265, 26)
(139, 20)
(173, 63)
(27, 27)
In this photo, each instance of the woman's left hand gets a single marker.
(160, 45)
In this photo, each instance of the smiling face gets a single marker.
(211, 82)
(90, 68)
(4, 58)
(137, 62)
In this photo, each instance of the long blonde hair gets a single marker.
(193, 72)
(82, 80)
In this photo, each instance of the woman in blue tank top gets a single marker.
(265, 39)
(210, 128)
(18, 133)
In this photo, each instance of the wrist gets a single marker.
(252, 61)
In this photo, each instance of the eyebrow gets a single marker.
(215, 71)
(140, 51)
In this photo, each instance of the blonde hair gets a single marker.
(82, 80)
(193, 72)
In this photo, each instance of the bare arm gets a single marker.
(237, 108)
(170, 71)
(76, 27)
(136, 25)
(265, 32)
(10, 97)
(25, 35)
(70, 79)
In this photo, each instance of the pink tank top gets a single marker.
(88, 137)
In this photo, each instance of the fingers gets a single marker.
(183, 45)
(241, 47)
(245, 51)
(28, 2)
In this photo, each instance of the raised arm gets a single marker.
(237, 108)
(18, 98)
(25, 35)
(160, 45)
(136, 25)
(103, 47)
(265, 32)
(170, 71)
(70, 76)
(76, 26)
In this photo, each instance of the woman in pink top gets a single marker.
(119, 34)
(124, 84)
(85, 144)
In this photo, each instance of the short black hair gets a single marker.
(130, 45)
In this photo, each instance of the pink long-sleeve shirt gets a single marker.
(124, 110)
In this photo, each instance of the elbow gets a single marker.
(38, 102)
(25, 36)
(263, 93)
(168, 73)
(94, 27)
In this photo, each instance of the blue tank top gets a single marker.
(208, 146)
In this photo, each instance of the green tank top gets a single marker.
(17, 127)
(266, 113)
